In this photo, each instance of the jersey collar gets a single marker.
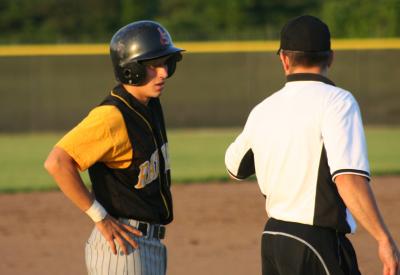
(134, 103)
(309, 77)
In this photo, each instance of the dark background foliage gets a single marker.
(94, 21)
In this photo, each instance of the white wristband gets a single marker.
(96, 212)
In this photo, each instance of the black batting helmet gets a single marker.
(137, 42)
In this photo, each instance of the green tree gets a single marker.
(134, 10)
(41, 21)
(231, 19)
(362, 18)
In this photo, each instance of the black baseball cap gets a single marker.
(305, 33)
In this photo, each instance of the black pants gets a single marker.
(297, 249)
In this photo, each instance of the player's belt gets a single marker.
(156, 231)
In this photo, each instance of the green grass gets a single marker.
(22, 157)
(196, 156)
(384, 150)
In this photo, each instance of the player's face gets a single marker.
(157, 73)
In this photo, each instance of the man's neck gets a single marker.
(134, 92)
(307, 70)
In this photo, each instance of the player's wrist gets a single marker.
(96, 212)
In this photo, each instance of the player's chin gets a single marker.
(158, 89)
(156, 94)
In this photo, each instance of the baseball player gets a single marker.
(306, 145)
(124, 145)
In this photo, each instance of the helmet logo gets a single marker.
(164, 39)
(120, 49)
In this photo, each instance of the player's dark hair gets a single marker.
(309, 59)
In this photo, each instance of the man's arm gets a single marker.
(63, 168)
(359, 199)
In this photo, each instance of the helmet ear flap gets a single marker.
(171, 67)
(127, 73)
(171, 63)
(133, 73)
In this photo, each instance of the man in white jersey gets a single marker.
(306, 145)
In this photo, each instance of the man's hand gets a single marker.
(389, 255)
(112, 229)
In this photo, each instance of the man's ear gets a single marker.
(285, 62)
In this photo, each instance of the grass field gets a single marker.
(196, 155)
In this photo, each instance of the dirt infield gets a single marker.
(216, 231)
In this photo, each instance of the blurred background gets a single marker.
(94, 21)
(54, 67)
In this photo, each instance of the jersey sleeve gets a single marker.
(344, 138)
(239, 157)
(101, 136)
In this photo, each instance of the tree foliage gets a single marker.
(76, 21)
(360, 18)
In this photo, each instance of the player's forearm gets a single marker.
(359, 199)
(62, 168)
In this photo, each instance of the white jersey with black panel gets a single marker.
(297, 141)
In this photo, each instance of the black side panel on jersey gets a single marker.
(246, 167)
(330, 210)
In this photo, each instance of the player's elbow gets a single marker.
(229, 169)
(234, 177)
(52, 164)
(54, 161)
(240, 169)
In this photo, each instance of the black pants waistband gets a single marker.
(298, 229)
(333, 246)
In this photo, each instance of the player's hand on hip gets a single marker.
(112, 230)
(390, 256)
